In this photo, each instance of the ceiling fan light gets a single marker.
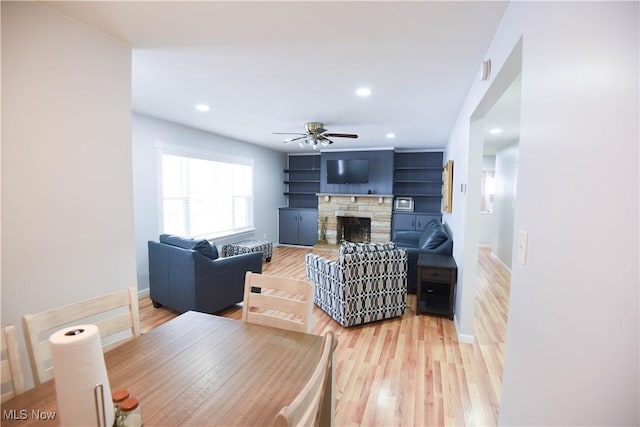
(325, 143)
(302, 143)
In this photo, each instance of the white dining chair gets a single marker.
(281, 303)
(304, 410)
(115, 314)
(11, 366)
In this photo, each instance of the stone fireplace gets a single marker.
(366, 217)
(354, 229)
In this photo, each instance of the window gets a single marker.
(205, 198)
(487, 190)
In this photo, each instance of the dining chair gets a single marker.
(11, 367)
(304, 410)
(115, 314)
(280, 302)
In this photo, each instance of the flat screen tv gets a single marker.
(347, 171)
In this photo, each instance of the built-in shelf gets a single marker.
(419, 175)
(302, 170)
(303, 181)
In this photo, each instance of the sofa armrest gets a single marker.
(406, 238)
(317, 266)
(245, 262)
(220, 282)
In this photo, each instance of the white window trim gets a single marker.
(177, 150)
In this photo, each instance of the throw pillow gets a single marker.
(436, 238)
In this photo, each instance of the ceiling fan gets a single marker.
(315, 134)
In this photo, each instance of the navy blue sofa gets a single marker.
(435, 238)
(187, 274)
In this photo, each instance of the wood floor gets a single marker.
(409, 371)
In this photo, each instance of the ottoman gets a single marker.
(247, 246)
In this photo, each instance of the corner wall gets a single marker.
(572, 350)
(67, 200)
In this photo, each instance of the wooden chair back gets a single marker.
(282, 302)
(10, 366)
(304, 410)
(116, 316)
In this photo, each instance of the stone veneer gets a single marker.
(377, 207)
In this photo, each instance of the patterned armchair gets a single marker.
(367, 283)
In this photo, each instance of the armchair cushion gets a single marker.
(201, 245)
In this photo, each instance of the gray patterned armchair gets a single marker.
(367, 283)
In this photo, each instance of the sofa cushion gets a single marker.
(201, 245)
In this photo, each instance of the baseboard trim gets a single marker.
(500, 261)
(143, 292)
(463, 338)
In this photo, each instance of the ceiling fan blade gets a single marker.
(341, 135)
(294, 139)
(288, 133)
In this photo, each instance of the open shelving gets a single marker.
(419, 175)
(303, 181)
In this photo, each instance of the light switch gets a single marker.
(522, 247)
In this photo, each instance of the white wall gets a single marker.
(504, 203)
(67, 200)
(572, 344)
(268, 180)
(486, 228)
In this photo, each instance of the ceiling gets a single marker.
(266, 67)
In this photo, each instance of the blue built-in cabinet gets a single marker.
(417, 175)
(380, 172)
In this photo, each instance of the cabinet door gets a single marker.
(307, 227)
(422, 220)
(288, 221)
(403, 221)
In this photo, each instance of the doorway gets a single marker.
(489, 237)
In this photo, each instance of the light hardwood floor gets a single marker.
(409, 371)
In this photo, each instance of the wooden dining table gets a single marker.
(199, 370)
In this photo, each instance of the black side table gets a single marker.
(436, 287)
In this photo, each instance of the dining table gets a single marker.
(200, 370)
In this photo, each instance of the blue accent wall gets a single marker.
(380, 172)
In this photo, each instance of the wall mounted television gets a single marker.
(347, 171)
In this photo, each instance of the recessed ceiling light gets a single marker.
(495, 131)
(391, 135)
(363, 91)
(202, 107)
